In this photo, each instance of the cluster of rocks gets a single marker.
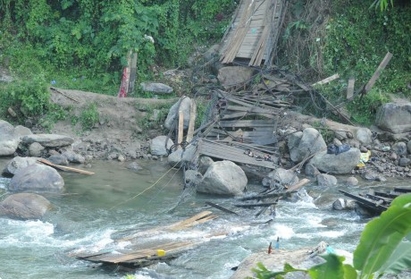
(303, 152)
(28, 177)
(371, 155)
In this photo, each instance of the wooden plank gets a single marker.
(180, 129)
(350, 88)
(225, 152)
(221, 208)
(191, 123)
(377, 72)
(246, 123)
(64, 168)
(327, 80)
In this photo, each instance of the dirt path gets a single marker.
(120, 121)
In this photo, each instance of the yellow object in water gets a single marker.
(161, 253)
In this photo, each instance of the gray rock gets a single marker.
(58, 159)
(364, 135)
(223, 178)
(74, 157)
(372, 175)
(160, 145)
(176, 158)
(36, 149)
(326, 180)
(48, 140)
(193, 178)
(18, 163)
(342, 163)
(134, 166)
(351, 181)
(156, 87)
(400, 148)
(280, 177)
(301, 259)
(310, 143)
(184, 105)
(8, 140)
(394, 117)
(203, 163)
(24, 206)
(343, 204)
(404, 162)
(36, 178)
(311, 170)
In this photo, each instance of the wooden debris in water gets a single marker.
(146, 253)
(64, 168)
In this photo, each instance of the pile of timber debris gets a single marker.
(375, 202)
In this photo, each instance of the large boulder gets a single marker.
(156, 87)
(394, 117)
(180, 156)
(343, 163)
(10, 137)
(36, 178)
(160, 145)
(223, 178)
(184, 105)
(48, 140)
(302, 258)
(306, 143)
(279, 178)
(24, 206)
(18, 163)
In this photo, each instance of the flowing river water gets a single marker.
(94, 208)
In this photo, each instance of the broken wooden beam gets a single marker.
(221, 208)
(327, 80)
(64, 168)
(264, 204)
(377, 73)
(350, 88)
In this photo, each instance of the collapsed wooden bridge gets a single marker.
(146, 247)
(376, 202)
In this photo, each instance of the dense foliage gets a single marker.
(88, 39)
(322, 38)
(84, 44)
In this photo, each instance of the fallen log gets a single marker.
(64, 168)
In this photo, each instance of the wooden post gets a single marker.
(326, 80)
(191, 124)
(180, 128)
(350, 88)
(377, 73)
(132, 64)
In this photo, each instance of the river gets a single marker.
(115, 200)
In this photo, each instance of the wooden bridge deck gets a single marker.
(226, 152)
(145, 247)
(254, 31)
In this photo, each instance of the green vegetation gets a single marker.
(351, 39)
(89, 117)
(384, 248)
(84, 44)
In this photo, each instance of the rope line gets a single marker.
(142, 192)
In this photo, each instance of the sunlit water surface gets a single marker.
(116, 200)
